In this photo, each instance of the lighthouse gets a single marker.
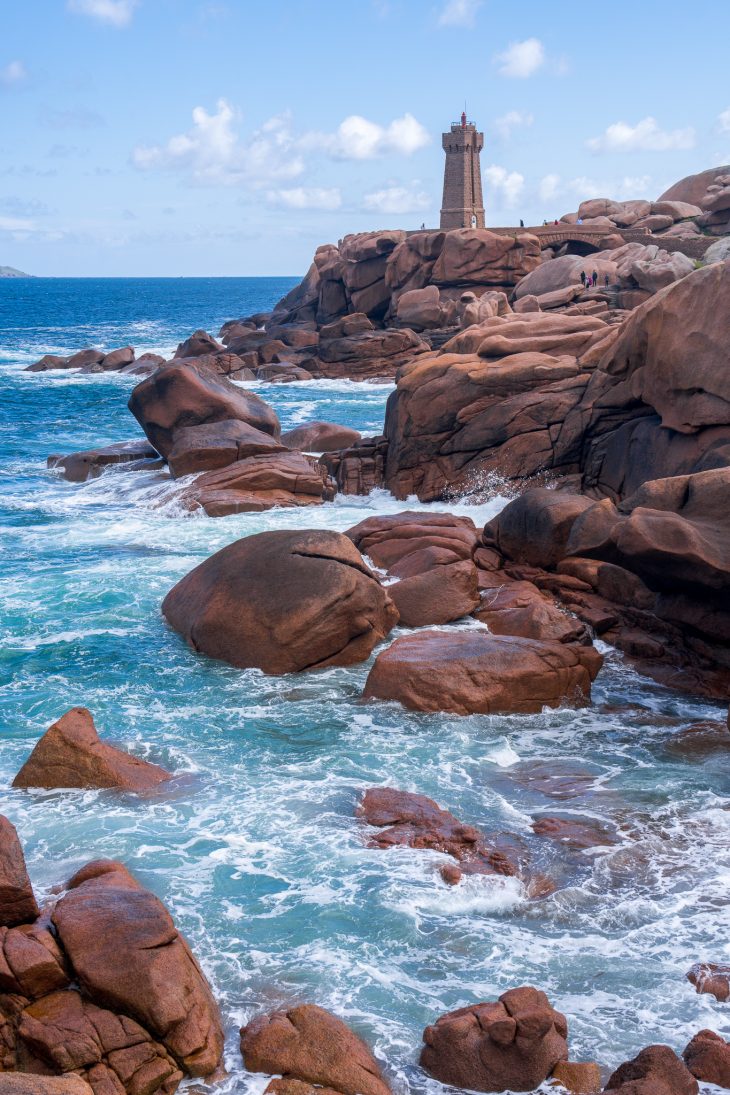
(462, 205)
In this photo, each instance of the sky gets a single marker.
(229, 137)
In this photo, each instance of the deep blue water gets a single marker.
(258, 853)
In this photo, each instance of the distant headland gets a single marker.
(11, 272)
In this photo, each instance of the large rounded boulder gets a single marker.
(180, 395)
(283, 602)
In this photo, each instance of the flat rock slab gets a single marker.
(473, 672)
(77, 467)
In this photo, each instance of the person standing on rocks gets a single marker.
(583, 278)
(595, 278)
(606, 280)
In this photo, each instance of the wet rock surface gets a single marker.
(513, 1043)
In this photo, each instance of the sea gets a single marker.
(256, 848)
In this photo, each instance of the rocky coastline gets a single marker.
(603, 410)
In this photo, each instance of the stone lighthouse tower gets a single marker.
(463, 205)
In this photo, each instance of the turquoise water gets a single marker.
(256, 850)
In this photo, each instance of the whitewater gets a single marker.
(255, 847)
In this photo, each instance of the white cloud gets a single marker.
(645, 136)
(459, 13)
(513, 119)
(549, 187)
(723, 121)
(357, 138)
(117, 13)
(303, 197)
(212, 152)
(12, 74)
(397, 199)
(17, 224)
(506, 186)
(522, 59)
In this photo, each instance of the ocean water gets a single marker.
(256, 849)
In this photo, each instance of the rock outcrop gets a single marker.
(17, 901)
(128, 956)
(71, 754)
(213, 445)
(512, 1043)
(17, 1083)
(522, 395)
(472, 672)
(283, 602)
(101, 995)
(415, 821)
(88, 361)
(309, 1044)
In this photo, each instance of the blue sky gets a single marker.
(222, 137)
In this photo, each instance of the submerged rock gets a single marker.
(468, 672)
(712, 978)
(309, 1044)
(416, 821)
(71, 754)
(17, 901)
(283, 602)
(512, 1043)
(657, 1070)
